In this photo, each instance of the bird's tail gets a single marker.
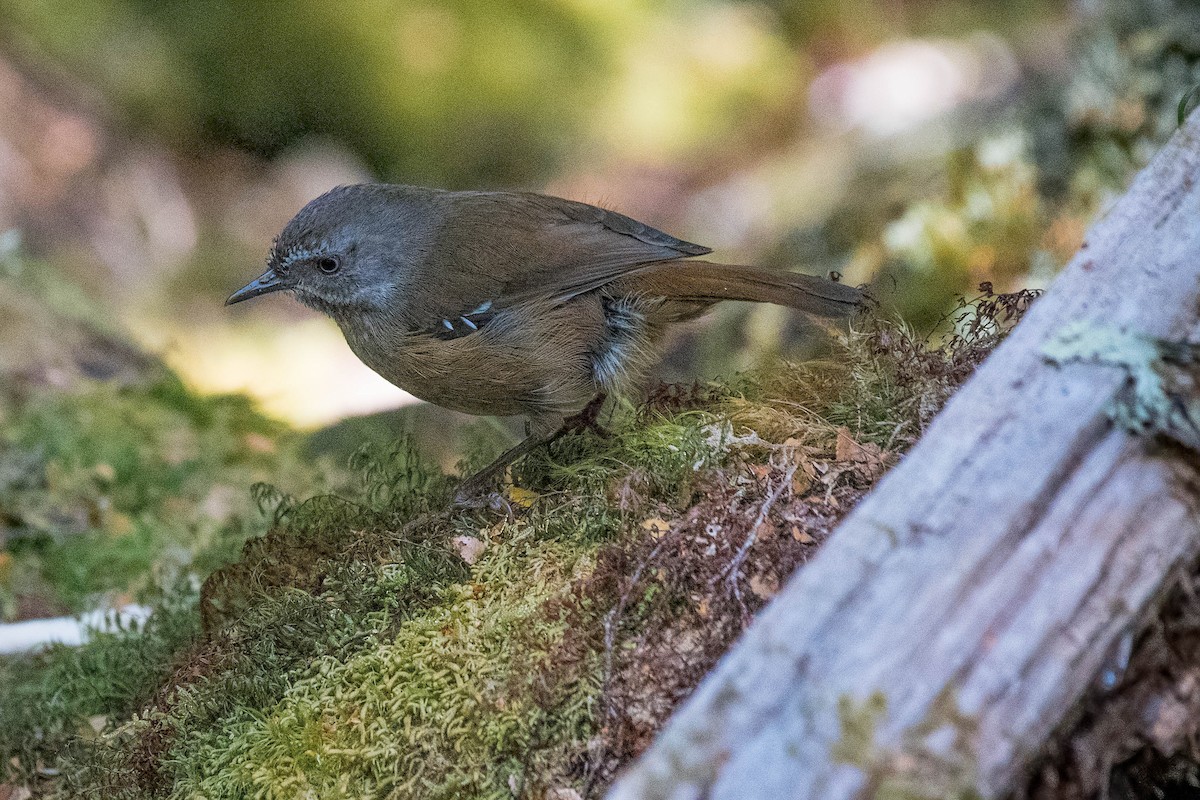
(705, 283)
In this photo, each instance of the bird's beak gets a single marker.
(264, 284)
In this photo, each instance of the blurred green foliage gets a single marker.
(1135, 63)
(1012, 205)
(468, 92)
(458, 93)
(826, 25)
(58, 690)
(443, 92)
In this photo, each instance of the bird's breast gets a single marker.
(511, 366)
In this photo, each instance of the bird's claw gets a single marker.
(475, 496)
(588, 419)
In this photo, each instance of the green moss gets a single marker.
(107, 485)
(447, 706)
(457, 687)
(352, 652)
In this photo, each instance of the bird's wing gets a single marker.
(498, 249)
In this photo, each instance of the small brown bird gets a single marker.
(508, 302)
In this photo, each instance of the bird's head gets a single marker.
(350, 250)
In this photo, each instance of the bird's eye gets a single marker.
(328, 264)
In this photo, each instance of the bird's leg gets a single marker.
(475, 491)
(586, 420)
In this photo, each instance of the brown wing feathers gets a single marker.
(666, 273)
(506, 248)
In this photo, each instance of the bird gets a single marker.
(509, 302)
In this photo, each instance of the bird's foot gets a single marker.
(473, 493)
(479, 490)
(586, 420)
(477, 494)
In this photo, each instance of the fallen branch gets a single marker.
(955, 618)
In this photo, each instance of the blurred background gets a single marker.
(150, 150)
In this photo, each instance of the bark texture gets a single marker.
(955, 618)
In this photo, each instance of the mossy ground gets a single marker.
(376, 644)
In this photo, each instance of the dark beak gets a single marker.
(264, 284)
